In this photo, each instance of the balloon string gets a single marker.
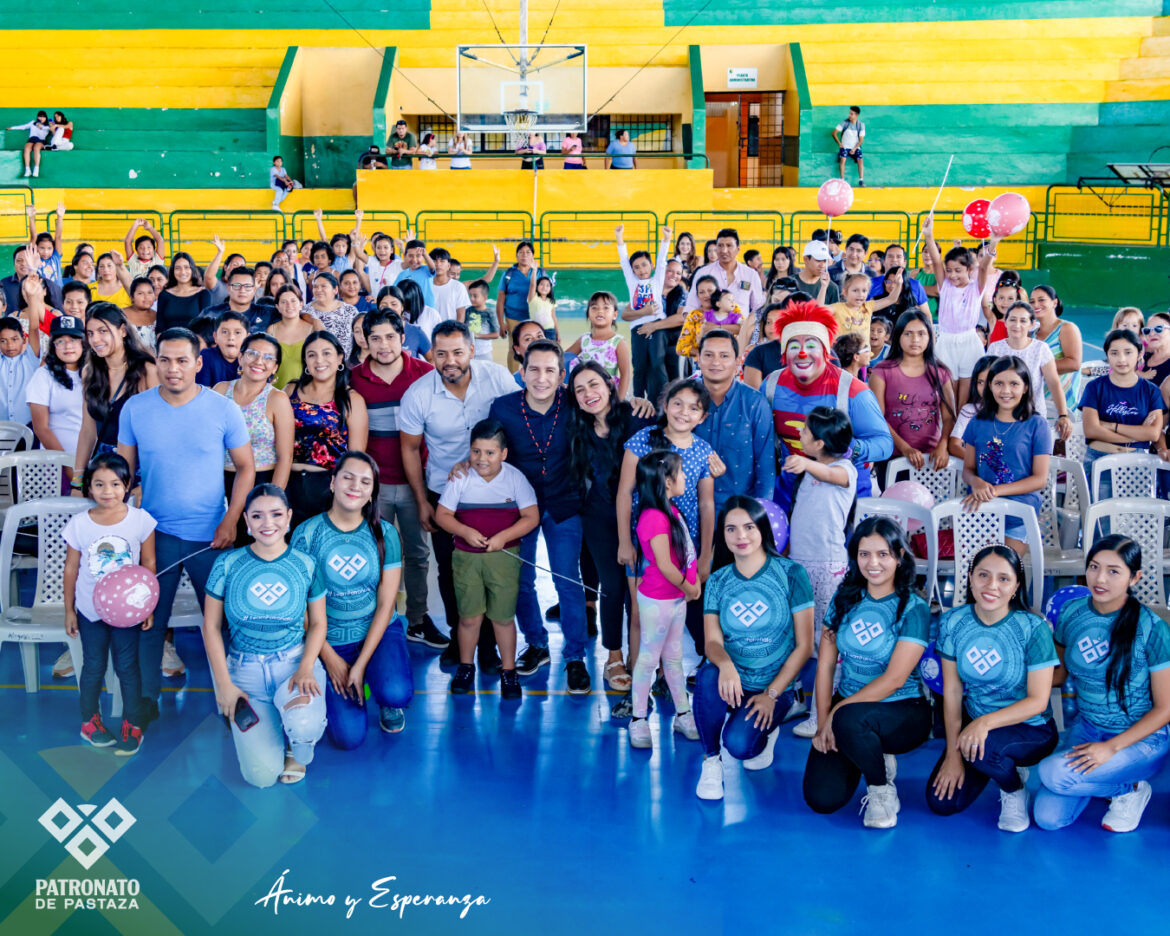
(937, 196)
(567, 578)
(179, 562)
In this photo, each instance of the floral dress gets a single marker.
(603, 352)
(321, 434)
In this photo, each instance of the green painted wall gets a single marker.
(215, 14)
(331, 161)
(771, 12)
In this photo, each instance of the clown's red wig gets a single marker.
(807, 311)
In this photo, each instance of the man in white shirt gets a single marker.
(440, 409)
(451, 298)
(848, 135)
(729, 273)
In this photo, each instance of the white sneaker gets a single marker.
(881, 807)
(640, 733)
(684, 724)
(27, 172)
(711, 779)
(891, 767)
(1013, 807)
(64, 665)
(1125, 811)
(808, 727)
(36, 172)
(171, 664)
(763, 760)
(795, 710)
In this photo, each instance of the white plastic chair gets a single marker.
(44, 621)
(943, 484)
(1062, 521)
(902, 512)
(976, 529)
(11, 435)
(1131, 474)
(1144, 520)
(1076, 444)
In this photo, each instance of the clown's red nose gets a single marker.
(802, 354)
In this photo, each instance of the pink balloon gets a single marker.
(913, 492)
(127, 596)
(835, 197)
(1008, 214)
(975, 218)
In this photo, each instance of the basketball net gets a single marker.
(520, 124)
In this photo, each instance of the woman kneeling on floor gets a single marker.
(270, 683)
(360, 558)
(758, 614)
(878, 625)
(1004, 658)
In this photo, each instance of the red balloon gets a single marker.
(127, 596)
(1008, 214)
(975, 218)
(835, 197)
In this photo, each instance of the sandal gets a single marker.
(619, 682)
(292, 773)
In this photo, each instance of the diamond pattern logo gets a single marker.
(86, 841)
(1093, 650)
(269, 594)
(983, 661)
(747, 616)
(865, 632)
(347, 566)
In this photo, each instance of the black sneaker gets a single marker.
(425, 632)
(489, 662)
(591, 620)
(553, 613)
(579, 683)
(510, 685)
(150, 713)
(659, 687)
(695, 672)
(624, 706)
(532, 659)
(450, 656)
(463, 682)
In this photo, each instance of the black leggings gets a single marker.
(308, 495)
(1004, 750)
(864, 732)
(601, 542)
(229, 481)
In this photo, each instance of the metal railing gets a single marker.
(470, 235)
(585, 240)
(758, 230)
(1114, 214)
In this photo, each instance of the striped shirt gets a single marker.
(382, 402)
(489, 507)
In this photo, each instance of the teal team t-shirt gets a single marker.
(349, 566)
(1084, 633)
(994, 660)
(868, 635)
(264, 600)
(755, 615)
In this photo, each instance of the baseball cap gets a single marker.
(818, 250)
(67, 325)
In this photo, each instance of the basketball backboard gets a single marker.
(502, 88)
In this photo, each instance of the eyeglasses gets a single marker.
(251, 355)
(1154, 329)
(241, 287)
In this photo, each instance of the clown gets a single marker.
(807, 331)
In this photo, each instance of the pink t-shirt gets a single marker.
(571, 146)
(959, 310)
(652, 523)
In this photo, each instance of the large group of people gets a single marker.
(303, 434)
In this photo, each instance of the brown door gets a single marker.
(723, 142)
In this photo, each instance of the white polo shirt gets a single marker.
(444, 421)
(744, 284)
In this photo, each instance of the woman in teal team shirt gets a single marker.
(1003, 657)
(360, 558)
(879, 626)
(1118, 652)
(270, 683)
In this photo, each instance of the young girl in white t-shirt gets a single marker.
(108, 536)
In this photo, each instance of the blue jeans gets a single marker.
(564, 555)
(264, 677)
(740, 736)
(97, 640)
(169, 549)
(1091, 455)
(389, 677)
(1064, 792)
(1006, 749)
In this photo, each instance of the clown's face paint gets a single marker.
(806, 357)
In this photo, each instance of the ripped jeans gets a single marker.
(265, 677)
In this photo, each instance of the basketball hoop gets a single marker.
(520, 124)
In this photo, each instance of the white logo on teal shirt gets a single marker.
(983, 661)
(865, 632)
(269, 594)
(748, 615)
(1093, 650)
(347, 566)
